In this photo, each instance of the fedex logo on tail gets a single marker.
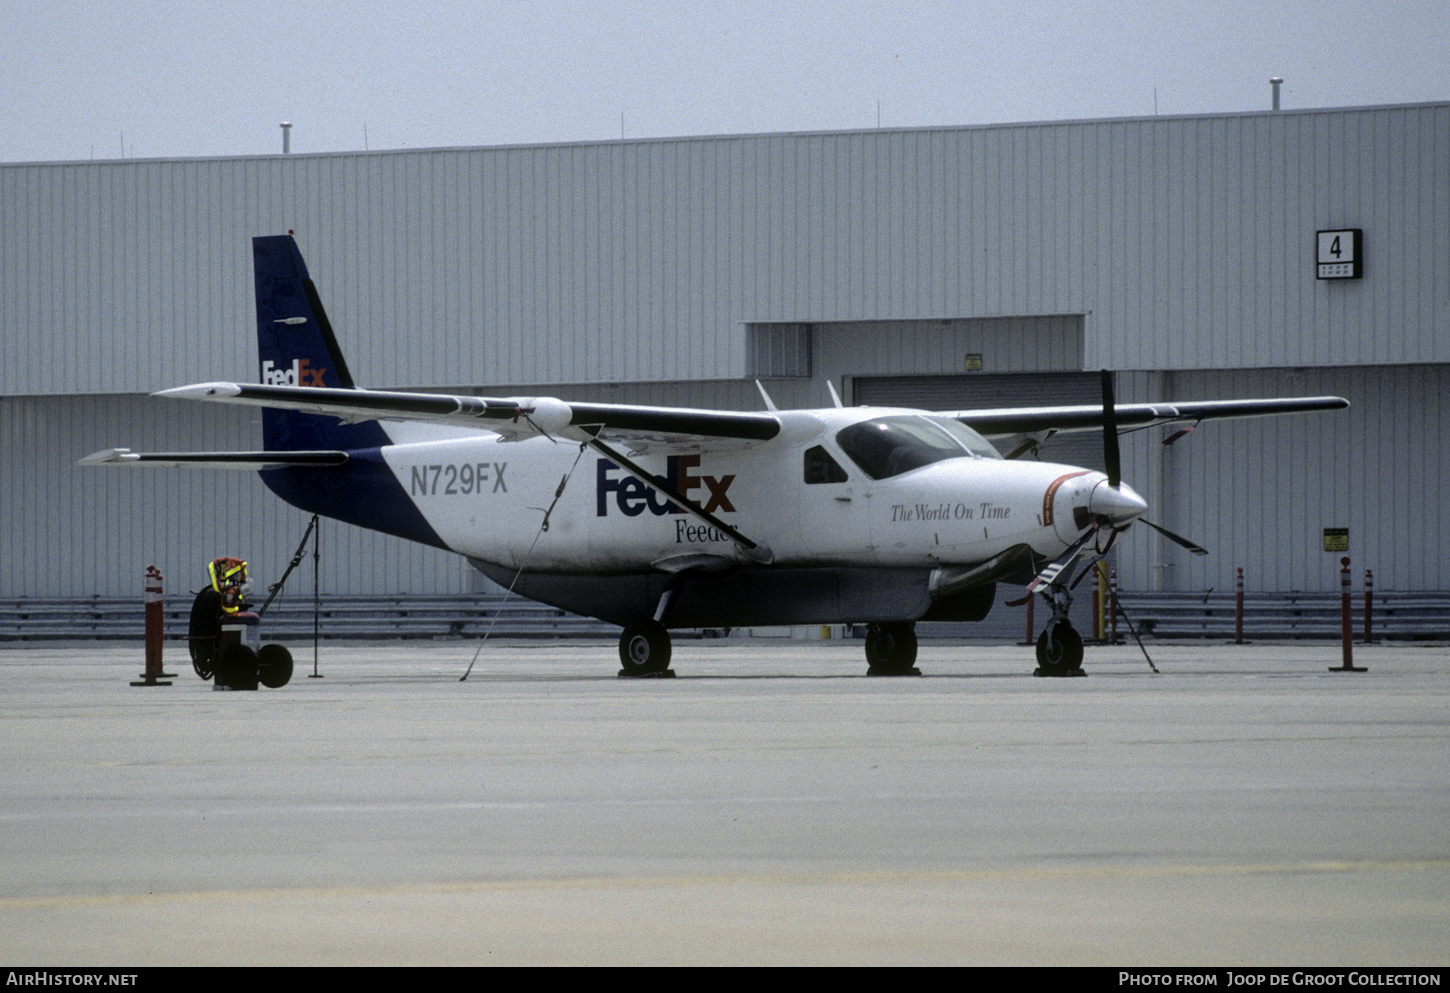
(299, 373)
(632, 496)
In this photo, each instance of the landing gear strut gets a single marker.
(1059, 647)
(644, 647)
(891, 649)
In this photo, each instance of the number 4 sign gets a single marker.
(1339, 254)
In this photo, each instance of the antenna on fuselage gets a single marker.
(835, 397)
(769, 403)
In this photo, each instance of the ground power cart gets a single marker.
(223, 634)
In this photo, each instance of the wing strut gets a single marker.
(752, 549)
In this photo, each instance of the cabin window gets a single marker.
(821, 468)
(890, 446)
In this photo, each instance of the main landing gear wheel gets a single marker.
(644, 650)
(1059, 651)
(891, 650)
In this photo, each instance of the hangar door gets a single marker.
(977, 390)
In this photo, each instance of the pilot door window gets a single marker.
(821, 468)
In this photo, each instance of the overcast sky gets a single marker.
(166, 78)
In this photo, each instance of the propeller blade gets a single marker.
(1196, 549)
(1111, 455)
(1180, 433)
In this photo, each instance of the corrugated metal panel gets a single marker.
(1259, 493)
(778, 351)
(1187, 241)
(1006, 344)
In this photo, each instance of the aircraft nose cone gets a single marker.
(1119, 506)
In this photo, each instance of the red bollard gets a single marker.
(1346, 621)
(155, 630)
(1239, 608)
(1027, 639)
(1113, 606)
(1368, 607)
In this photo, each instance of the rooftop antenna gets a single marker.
(769, 403)
(1275, 82)
(286, 137)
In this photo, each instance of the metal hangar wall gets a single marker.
(1180, 251)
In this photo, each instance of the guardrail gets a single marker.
(1163, 616)
(1396, 616)
(364, 618)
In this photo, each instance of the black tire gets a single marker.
(236, 667)
(201, 634)
(644, 649)
(1059, 648)
(274, 666)
(891, 650)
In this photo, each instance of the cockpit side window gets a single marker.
(821, 468)
(890, 446)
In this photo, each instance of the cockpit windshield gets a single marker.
(889, 446)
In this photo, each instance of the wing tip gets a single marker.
(200, 391)
(110, 456)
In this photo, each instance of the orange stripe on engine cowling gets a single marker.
(1052, 492)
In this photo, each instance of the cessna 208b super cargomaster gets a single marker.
(657, 517)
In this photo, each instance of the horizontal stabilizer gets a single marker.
(213, 460)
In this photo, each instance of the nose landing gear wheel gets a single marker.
(891, 650)
(644, 650)
(1059, 651)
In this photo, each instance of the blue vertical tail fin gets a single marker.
(296, 347)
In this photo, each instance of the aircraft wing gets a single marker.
(512, 417)
(1089, 417)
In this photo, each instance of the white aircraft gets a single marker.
(660, 517)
